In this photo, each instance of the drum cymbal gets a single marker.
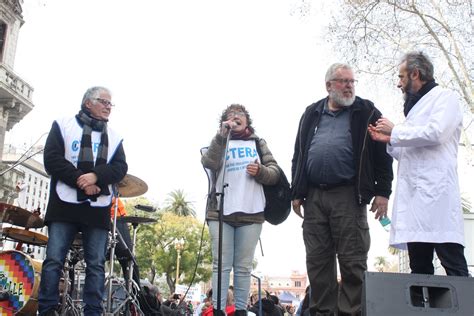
(25, 236)
(131, 186)
(17, 216)
(137, 219)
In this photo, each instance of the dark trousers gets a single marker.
(451, 256)
(335, 226)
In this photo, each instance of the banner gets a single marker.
(194, 293)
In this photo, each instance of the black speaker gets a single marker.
(400, 294)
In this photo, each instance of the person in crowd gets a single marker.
(84, 157)
(304, 304)
(270, 306)
(337, 169)
(244, 200)
(427, 212)
(207, 301)
(153, 298)
(290, 309)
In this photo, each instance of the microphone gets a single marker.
(145, 208)
(230, 125)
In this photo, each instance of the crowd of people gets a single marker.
(175, 305)
(342, 163)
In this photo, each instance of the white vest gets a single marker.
(72, 135)
(243, 193)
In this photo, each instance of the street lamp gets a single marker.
(179, 245)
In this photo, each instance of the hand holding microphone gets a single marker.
(227, 126)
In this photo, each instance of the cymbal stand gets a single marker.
(113, 243)
(68, 307)
(130, 298)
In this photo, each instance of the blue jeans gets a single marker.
(94, 241)
(238, 249)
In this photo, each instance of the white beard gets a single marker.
(341, 100)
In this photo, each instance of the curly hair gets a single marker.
(240, 108)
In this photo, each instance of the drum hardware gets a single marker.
(135, 220)
(25, 236)
(68, 306)
(20, 217)
(130, 186)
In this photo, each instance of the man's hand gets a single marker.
(379, 206)
(92, 190)
(377, 136)
(86, 180)
(297, 207)
(384, 126)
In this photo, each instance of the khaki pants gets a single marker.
(335, 226)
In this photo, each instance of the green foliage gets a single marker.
(157, 255)
(176, 203)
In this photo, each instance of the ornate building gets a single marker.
(15, 93)
(294, 284)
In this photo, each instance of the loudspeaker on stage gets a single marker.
(401, 294)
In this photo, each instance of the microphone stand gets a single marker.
(19, 162)
(221, 224)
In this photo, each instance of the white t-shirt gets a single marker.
(243, 193)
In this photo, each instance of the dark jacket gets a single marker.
(373, 165)
(60, 168)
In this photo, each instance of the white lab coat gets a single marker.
(427, 203)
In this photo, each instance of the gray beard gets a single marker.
(340, 100)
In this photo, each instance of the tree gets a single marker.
(371, 35)
(156, 252)
(380, 263)
(176, 203)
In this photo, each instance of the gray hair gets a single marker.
(418, 60)
(91, 94)
(330, 73)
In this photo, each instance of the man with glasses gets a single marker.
(84, 158)
(336, 171)
(427, 212)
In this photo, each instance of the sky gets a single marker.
(172, 67)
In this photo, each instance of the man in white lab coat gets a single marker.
(427, 214)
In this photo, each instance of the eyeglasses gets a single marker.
(345, 81)
(234, 113)
(105, 102)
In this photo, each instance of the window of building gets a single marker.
(3, 36)
(297, 283)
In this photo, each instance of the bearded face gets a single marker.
(343, 97)
(341, 88)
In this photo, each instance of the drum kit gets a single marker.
(20, 273)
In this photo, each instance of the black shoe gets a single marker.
(240, 312)
(219, 312)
